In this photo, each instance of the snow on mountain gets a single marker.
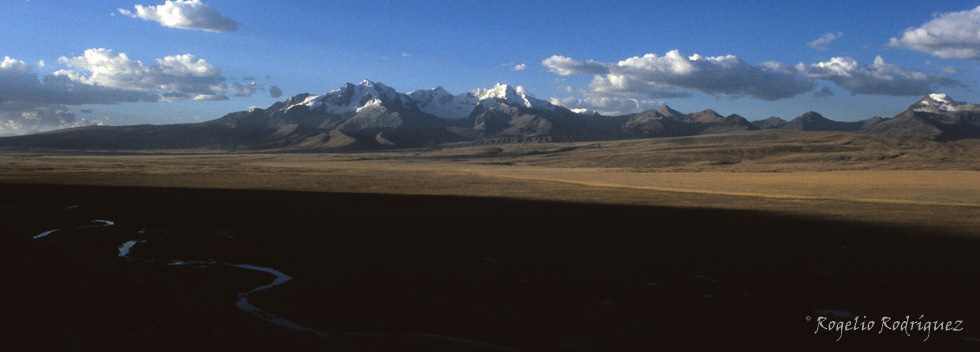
(512, 95)
(439, 102)
(937, 102)
(354, 98)
(370, 104)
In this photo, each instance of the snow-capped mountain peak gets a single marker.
(439, 102)
(353, 98)
(940, 97)
(499, 91)
(511, 95)
(937, 102)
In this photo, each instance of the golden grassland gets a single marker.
(626, 245)
(900, 180)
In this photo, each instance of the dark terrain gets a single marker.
(385, 120)
(529, 275)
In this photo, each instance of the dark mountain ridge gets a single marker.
(371, 115)
(935, 116)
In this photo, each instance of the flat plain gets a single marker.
(903, 180)
(697, 242)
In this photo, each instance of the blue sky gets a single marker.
(757, 58)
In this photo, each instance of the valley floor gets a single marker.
(693, 243)
(899, 180)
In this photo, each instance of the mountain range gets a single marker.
(371, 115)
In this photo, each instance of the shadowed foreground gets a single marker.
(529, 275)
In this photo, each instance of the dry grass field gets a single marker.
(901, 180)
(714, 242)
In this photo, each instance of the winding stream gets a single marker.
(125, 247)
(242, 303)
(101, 223)
(45, 233)
(279, 279)
(282, 278)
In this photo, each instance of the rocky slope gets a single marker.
(371, 115)
(935, 116)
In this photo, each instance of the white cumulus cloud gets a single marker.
(184, 75)
(19, 83)
(100, 76)
(606, 105)
(823, 43)
(879, 78)
(185, 14)
(953, 35)
(673, 75)
(520, 67)
(654, 77)
(18, 118)
(210, 97)
(13, 65)
(566, 66)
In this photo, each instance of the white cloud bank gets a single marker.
(877, 79)
(182, 76)
(953, 35)
(606, 106)
(655, 77)
(99, 76)
(28, 105)
(185, 14)
(823, 43)
(673, 75)
(17, 118)
(566, 66)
